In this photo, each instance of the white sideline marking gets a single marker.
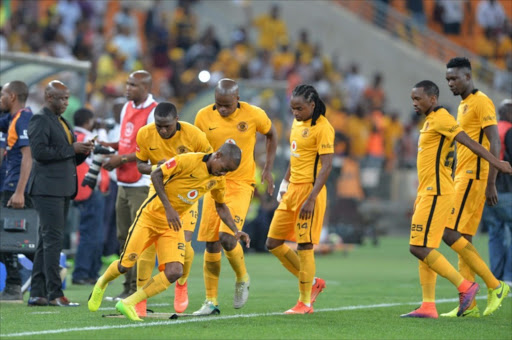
(212, 318)
(44, 313)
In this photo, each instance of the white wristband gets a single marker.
(282, 189)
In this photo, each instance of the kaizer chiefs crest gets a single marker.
(210, 184)
(132, 256)
(242, 126)
(305, 133)
(465, 110)
(182, 149)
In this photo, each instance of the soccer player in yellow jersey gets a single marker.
(474, 182)
(232, 121)
(303, 195)
(436, 195)
(176, 186)
(156, 143)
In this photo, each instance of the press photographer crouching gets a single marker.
(93, 183)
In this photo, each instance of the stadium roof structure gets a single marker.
(34, 68)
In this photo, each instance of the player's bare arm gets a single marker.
(491, 194)
(225, 216)
(173, 218)
(307, 208)
(479, 150)
(266, 175)
(145, 168)
(17, 200)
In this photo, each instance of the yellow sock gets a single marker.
(237, 261)
(189, 258)
(470, 260)
(438, 263)
(156, 285)
(306, 275)
(145, 265)
(288, 257)
(428, 279)
(211, 272)
(135, 298)
(110, 274)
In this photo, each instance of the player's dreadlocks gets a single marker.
(309, 93)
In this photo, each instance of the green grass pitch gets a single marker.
(367, 290)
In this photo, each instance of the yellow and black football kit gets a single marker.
(238, 128)
(153, 148)
(307, 143)
(186, 179)
(475, 113)
(435, 190)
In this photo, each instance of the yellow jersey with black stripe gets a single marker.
(307, 143)
(238, 128)
(435, 153)
(475, 113)
(152, 147)
(186, 179)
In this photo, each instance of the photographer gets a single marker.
(93, 183)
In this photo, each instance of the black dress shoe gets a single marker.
(37, 301)
(63, 302)
(81, 282)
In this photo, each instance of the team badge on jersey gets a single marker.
(426, 126)
(465, 110)
(171, 163)
(294, 145)
(192, 194)
(242, 126)
(210, 184)
(305, 133)
(230, 141)
(181, 149)
(132, 256)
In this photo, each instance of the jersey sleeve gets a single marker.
(219, 190)
(263, 123)
(171, 167)
(325, 140)
(486, 113)
(22, 130)
(141, 151)
(447, 126)
(199, 121)
(202, 143)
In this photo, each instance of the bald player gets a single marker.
(176, 187)
(133, 186)
(229, 120)
(52, 185)
(156, 143)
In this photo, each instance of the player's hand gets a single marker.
(283, 188)
(266, 175)
(17, 201)
(173, 219)
(240, 235)
(112, 162)
(491, 195)
(306, 212)
(505, 167)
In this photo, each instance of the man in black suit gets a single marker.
(52, 185)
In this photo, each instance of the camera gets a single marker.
(99, 152)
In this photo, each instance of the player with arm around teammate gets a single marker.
(176, 186)
(300, 214)
(435, 199)
(475, 183)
